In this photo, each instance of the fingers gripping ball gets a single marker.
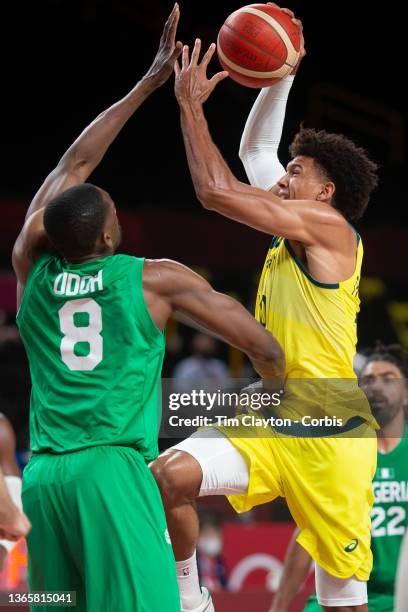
(258, 45)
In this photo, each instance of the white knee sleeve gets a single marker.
(225, 471)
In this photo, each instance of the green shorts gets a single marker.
(98, 528)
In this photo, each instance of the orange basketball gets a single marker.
(258, 45)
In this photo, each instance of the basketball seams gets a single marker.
(277, 73)
(254, 44)
(251, 39)
(292, 53)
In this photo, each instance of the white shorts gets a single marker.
(225, 472)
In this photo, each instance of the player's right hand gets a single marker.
(13, 524)
(299, 24)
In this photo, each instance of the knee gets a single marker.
(177, 481)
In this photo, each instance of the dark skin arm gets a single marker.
(297, 565)
(318, 233)
(87, 151)
(8, 463)
(171, 287)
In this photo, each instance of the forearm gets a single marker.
(88, 149)
(215, 185)
(92, 144)
(262, 134)
(296, 568)
(208, 169)
(6, 503)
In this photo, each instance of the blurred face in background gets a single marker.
(386, 390)
(210, 541)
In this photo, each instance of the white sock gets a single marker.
(187, 578)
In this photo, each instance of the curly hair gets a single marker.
(341, 161)
(393, 353)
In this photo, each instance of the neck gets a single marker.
(390, 435)
(90, 257)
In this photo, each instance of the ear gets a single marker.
(326, 192)
(106, 239)
(406, 396)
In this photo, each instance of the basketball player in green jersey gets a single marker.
(383, 379)
(92, 323)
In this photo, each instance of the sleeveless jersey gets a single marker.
(389, 518)
(389, 521)
(314, 322)
(95, 356)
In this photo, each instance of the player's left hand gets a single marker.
(169, 50)
(192, 84)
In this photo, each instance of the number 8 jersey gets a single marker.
(95, 355)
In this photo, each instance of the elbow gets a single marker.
(210, 197)
(206, 197)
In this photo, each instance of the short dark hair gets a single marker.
(393, 353)
(341, 161)
(75, 219)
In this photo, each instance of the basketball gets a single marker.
(258, 45)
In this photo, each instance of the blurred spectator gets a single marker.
(203, 363)
(211, 565)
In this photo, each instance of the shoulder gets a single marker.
(168, 276)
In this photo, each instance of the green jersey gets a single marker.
(389, 520)
(95, 356)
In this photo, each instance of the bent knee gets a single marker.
(178, 476)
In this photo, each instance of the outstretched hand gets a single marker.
(192, 84)
(169, 50)
(299, 24)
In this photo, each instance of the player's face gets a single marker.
(385, 388)
(302, 180)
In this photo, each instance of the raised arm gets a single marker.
(86, 152)
(263, 129)
(308, 221)
(170, 286)
(262, 134)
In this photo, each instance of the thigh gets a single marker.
(51, 566)
(114, 524)
(125, 540)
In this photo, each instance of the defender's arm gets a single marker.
(170, 286)
(297, 565)
(86, 152)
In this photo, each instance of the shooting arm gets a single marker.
(262, 134)
(219, 190)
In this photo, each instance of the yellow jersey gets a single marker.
(314, 322)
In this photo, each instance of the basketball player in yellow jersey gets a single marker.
(308, 298)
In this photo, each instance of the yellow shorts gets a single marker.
(327, 484)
